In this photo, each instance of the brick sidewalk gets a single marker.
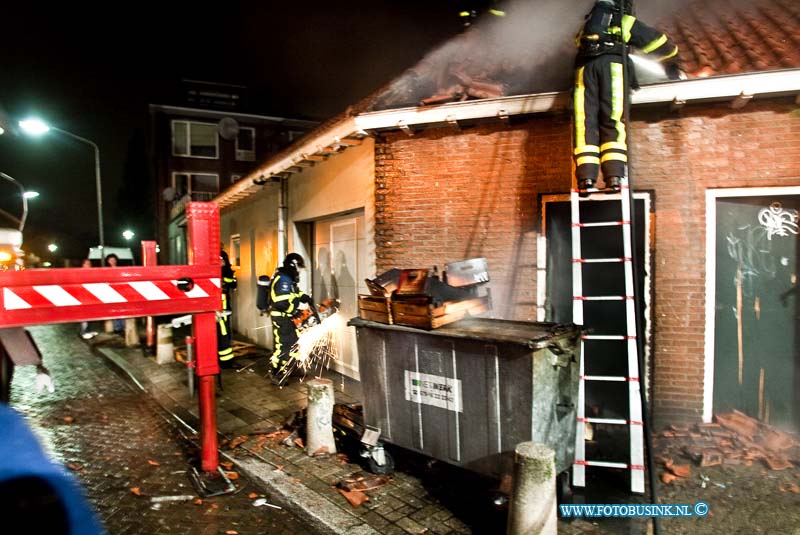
(248, 402)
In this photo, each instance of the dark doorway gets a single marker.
(603, 317)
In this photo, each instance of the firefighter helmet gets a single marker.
(626, 5)
(294, 260)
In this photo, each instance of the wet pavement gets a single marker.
(125, 450)
(423, 496)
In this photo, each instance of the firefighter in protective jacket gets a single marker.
(600, 96)
(285, 298)
(224, 349)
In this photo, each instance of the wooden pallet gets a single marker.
(418, 311)
(375, 308)
(240, 349)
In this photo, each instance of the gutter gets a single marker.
(320, 144)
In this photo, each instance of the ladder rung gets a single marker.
(607, 464)
(602, 224)
(611, 421)
(600, 260)
(613, 378)
(607, 337)
(602, 297)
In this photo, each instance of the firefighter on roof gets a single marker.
(284, 300)
(224, 349)
(600, 96)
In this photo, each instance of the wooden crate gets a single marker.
(418, 311)
(375, 308)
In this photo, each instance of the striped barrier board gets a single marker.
(41, 296)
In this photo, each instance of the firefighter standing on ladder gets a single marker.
(284, 300)
(224, 349)
(600, 95)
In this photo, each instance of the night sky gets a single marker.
(94, 71)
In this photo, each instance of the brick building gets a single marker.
(202, 144)
(715, 165)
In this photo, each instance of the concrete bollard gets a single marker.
(108, 326)
(319, 425)
(131, 333)
(532, 510)
(165, 352)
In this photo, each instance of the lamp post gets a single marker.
(25, 197)
(37, 127)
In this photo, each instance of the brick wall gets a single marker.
(445, 195)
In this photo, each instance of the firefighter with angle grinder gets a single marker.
(281, 296)
(600, 95)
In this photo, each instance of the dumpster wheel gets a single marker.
(379, 461)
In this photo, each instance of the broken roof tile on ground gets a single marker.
(734, 439)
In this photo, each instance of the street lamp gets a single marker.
(38, 127)
(30, 194)
(128, 234)
(52, 247)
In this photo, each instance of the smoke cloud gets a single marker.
(530, 50)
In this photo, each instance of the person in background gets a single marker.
(111, 261)
(224, 335)
(85, 333)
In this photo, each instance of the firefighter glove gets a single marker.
(43, 380)
(673, 71)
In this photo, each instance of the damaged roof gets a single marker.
(531, 50)
(723, 37)
(522, 64)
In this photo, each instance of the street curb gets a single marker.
(300, 500)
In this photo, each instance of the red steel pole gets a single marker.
(150, 258)
(202, 222)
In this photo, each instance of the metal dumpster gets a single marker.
(469, 392)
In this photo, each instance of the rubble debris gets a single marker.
(734, 439)
(69, 419)
(252, 495)
(227, 465)
(151, 462)
(362, 481)
(789, 487)
(667, 478)
(681, 470)
(355, 497)
(198, 501)
(75, 467)
(711, 458)
(232, 475)
(241, 439)
(778, 463)
(261, 502)
(322, 450)
(290, 439)
(299, 442)
(136, 490)
(178, 498)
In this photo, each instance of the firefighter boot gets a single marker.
(584, 184)
(613, 183)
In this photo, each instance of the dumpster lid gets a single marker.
(535, 335)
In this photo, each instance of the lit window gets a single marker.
(236, 250)
(246, 144)
(195, 140)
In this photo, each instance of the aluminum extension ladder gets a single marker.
(634, 421)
